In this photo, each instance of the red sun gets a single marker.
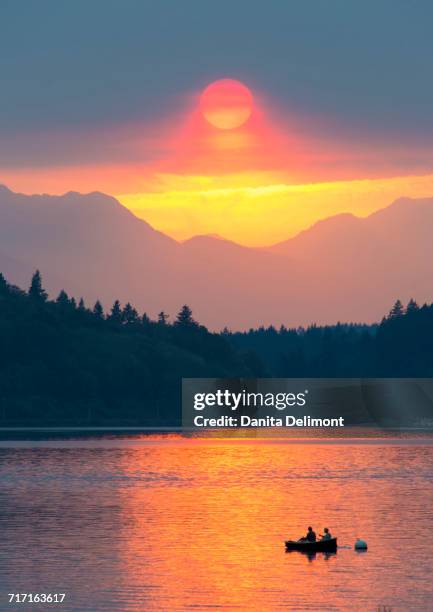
(226, 104)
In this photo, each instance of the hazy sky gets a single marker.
(79, 77)
(68, 63)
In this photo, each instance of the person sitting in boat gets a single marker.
(326, 534)
(310, 537)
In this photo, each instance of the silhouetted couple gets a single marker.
(311, 535)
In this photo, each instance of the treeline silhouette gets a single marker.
(63, 363)
(400, 346)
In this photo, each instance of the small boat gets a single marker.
(318, 546)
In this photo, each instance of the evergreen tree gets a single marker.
(81, 305)
(4, 285)
(129, 314)
(73, 303)
(36, 290)
(184, 317)
(62, 299)
(397, 310)
(98, 311)
(162, 318)
(116, 313)
(145, 321)
(412, 306)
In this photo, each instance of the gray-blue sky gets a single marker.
(81, 60)
(366, 65)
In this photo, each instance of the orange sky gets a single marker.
(255, 183)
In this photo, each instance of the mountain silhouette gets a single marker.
(343, 268)
(368, 262)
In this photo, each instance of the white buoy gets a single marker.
(360, 545)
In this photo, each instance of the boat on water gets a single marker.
(312, 547)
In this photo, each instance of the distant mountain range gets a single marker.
(343, 268)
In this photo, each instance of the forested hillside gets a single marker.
(400, 346)
(64, 363)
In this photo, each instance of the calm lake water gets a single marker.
(175, 524)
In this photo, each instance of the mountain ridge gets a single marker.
(343, 267)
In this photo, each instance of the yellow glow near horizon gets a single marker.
(232, 165)
(252, 210)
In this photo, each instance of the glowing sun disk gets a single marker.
(226, 104)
